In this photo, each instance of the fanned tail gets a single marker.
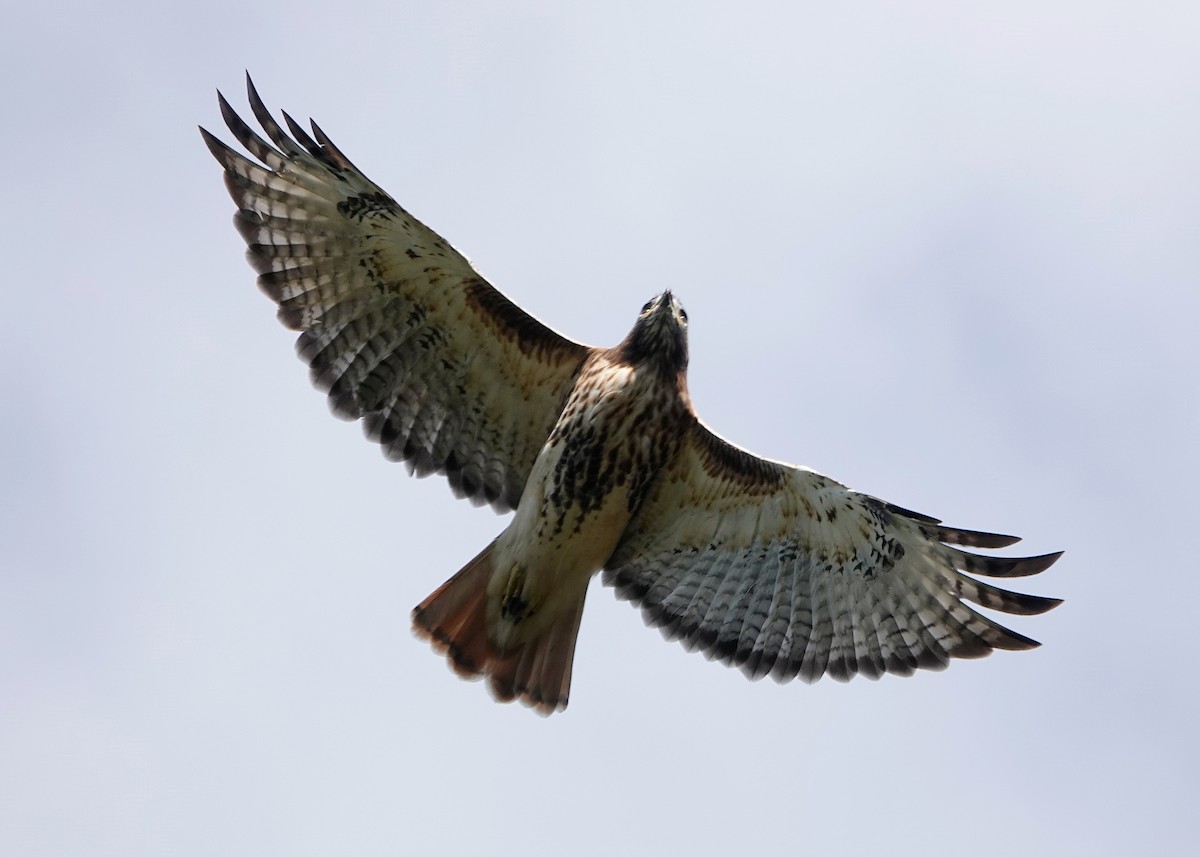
(538, 673)
(454, 620)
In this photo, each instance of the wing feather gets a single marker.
(397, 328)
(768, 640)
(784, 572)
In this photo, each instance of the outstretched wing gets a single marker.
(397, 327)
(782, 571)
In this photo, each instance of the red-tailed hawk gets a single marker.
(767, 566)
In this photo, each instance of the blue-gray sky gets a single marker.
(945, 254)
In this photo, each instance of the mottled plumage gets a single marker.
(768, 566)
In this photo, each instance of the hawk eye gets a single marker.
(646, 308)
(683, 315)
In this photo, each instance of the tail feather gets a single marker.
(538, 673)
(454, 619)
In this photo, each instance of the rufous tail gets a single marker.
(454, 620)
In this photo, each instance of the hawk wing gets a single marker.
(782, 571)
(397, 327)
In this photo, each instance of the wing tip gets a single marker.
(213, 143)
(1002, 566)
(1009, 641)
(975, 538)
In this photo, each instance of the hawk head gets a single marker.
(659, 336)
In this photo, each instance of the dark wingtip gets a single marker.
(259, 108)
(1023, 604)
(256, 103)
(975, 538)
(1011, 641)
(909, 513)
(329, 148)
(227, 110)
(1003, 566)
(1035, 564)
(214, 145)
(1046, 604)
(1017, 566)
(310, 145)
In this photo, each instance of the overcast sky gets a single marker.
(946, 254)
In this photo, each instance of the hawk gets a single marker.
(767, 566)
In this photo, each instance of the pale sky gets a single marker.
(945, 254)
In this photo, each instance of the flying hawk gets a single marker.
(767, 566)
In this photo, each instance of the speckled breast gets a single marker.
(618, 430)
